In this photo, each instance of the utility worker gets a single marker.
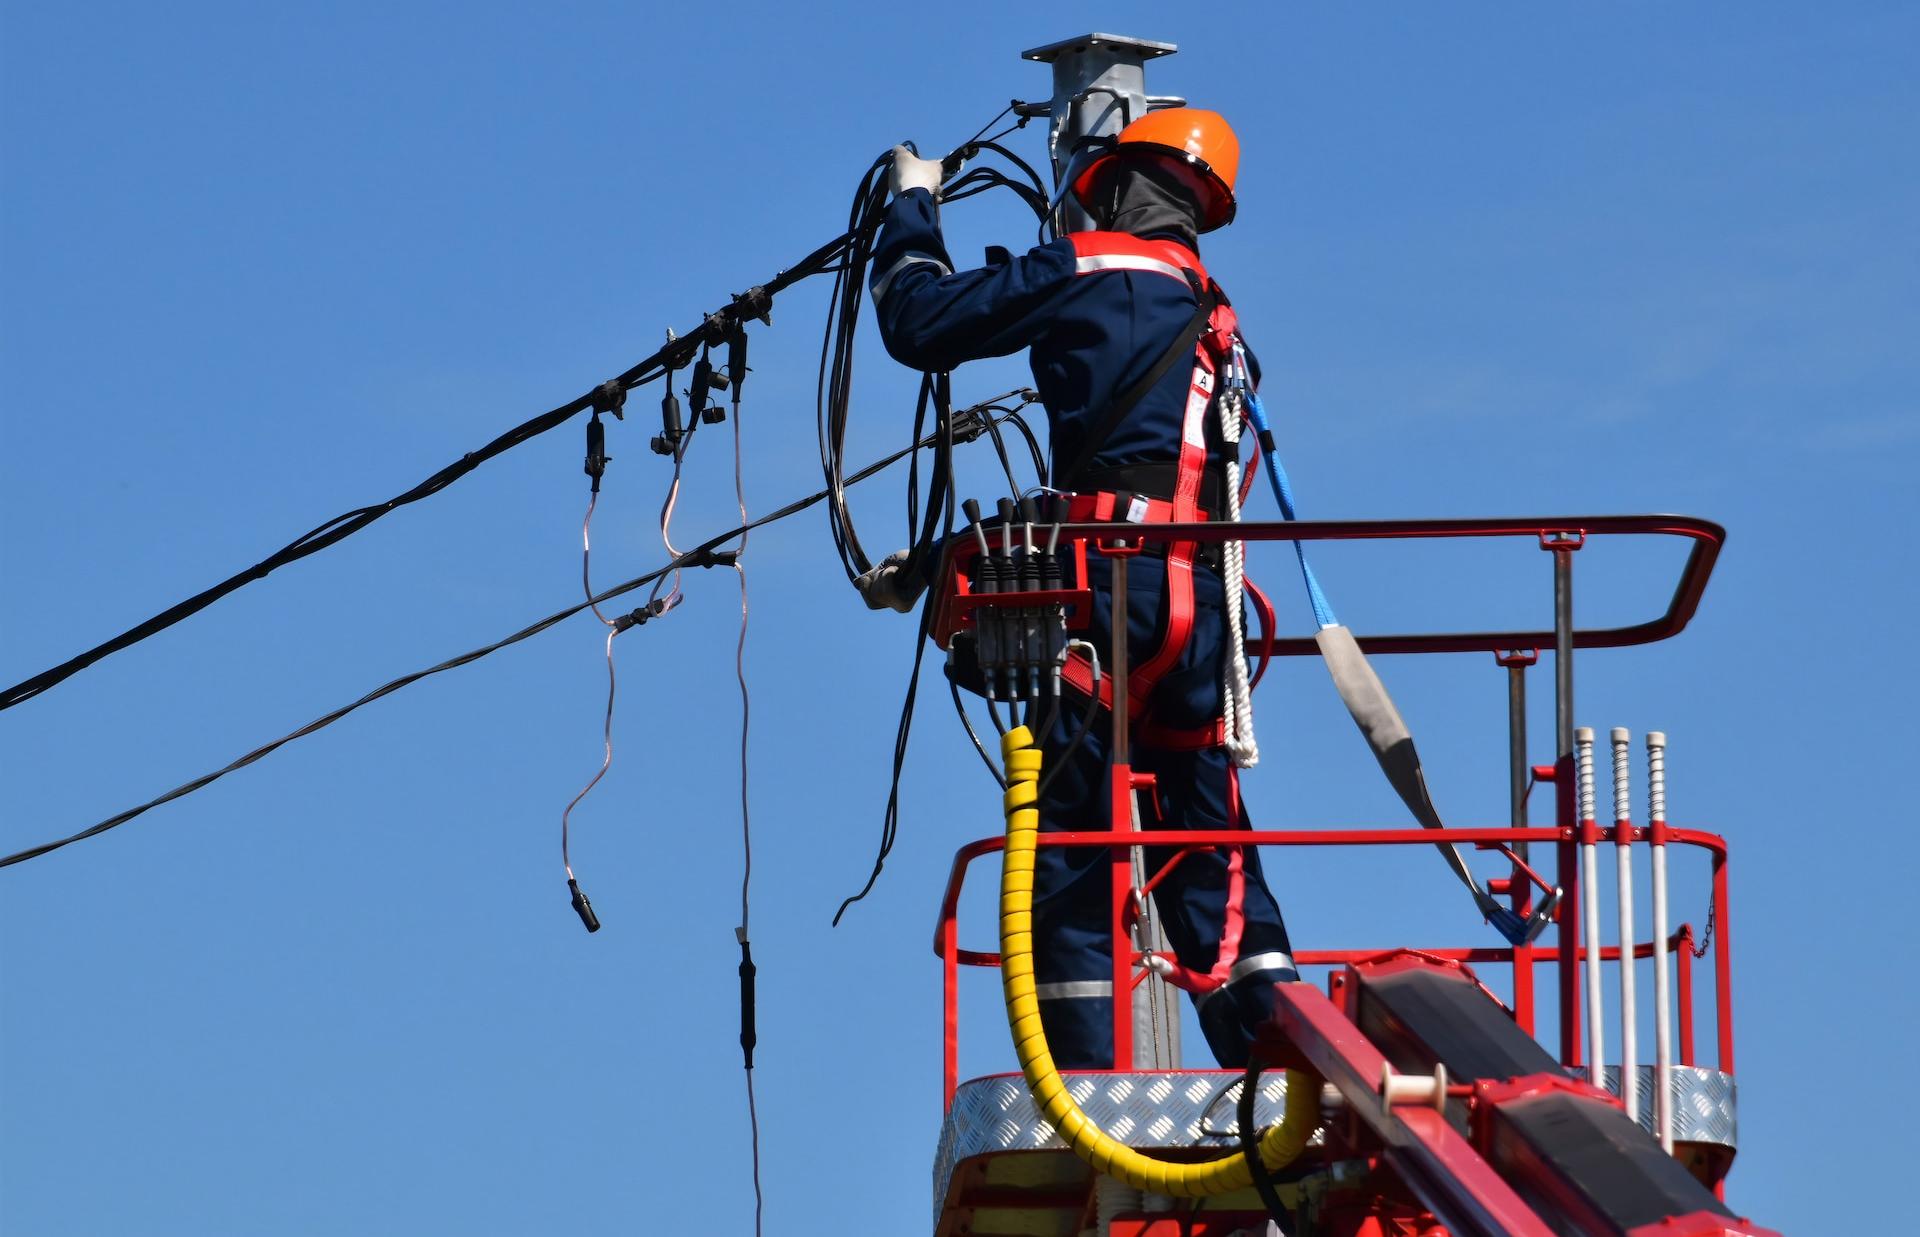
(1122, 325)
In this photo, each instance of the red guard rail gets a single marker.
(1705, 535)
(946, 941)
(1513, 649)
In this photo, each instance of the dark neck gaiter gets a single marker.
(1143, 199)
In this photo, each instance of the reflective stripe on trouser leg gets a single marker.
(1074, 990)
(1077, 1016)
(1232, 1015)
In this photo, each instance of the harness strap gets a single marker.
(1208, 334)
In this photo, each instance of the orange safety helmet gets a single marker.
(1190, 137)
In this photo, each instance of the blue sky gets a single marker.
(262, 265)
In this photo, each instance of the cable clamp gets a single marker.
(968, 424)
(611, 396)
(755, 302)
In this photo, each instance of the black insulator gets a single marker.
(583, 908)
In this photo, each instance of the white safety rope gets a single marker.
(1236, 709)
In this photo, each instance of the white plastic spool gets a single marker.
(1623, 851)
(1590, 880)
(1414, 1088)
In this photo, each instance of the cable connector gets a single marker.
(755, 302)
(706, 380)
(634, 618)
(582, 907)
(597, 456)
(748, 1036)
(708, 558)
(969, 424)
(672, 429)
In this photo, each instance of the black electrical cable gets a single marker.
(1263, 1181)
(834, 382)
(890, 823)
(1040, 468)
(936, 385)
(701, 555)
(960, 707)
(673, 355)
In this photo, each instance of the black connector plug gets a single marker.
(597, 456)
(672, 429)
(968, 424)
(583, 908)
(640, 614)
(706, 380)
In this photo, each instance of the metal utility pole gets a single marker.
(1099, 85)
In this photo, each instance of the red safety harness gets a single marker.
(1100, 253)
(1097, 253)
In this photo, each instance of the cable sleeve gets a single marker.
(1278, 1147)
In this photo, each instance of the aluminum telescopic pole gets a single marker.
(1662, 990)
(1623, 852)
(1590, 881)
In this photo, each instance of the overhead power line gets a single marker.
(969, 424)
(677, 353)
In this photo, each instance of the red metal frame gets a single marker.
(1436, 1166)
(1705, 535)
(947, 948)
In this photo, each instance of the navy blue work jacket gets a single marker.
(1092, 333)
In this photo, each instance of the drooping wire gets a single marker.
(746, 816)
(937, 386)
(960, 708)
(693, 557)
(613, 630)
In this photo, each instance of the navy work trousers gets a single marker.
(1073, 885)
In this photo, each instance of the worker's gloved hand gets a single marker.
(910, 171)
(888, 586)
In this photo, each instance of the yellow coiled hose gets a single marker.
(1278, 1147)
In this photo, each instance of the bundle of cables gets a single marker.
(930, 516)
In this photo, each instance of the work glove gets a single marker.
(910, 171)
(888, 586)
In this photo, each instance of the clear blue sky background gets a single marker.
(262, 264)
